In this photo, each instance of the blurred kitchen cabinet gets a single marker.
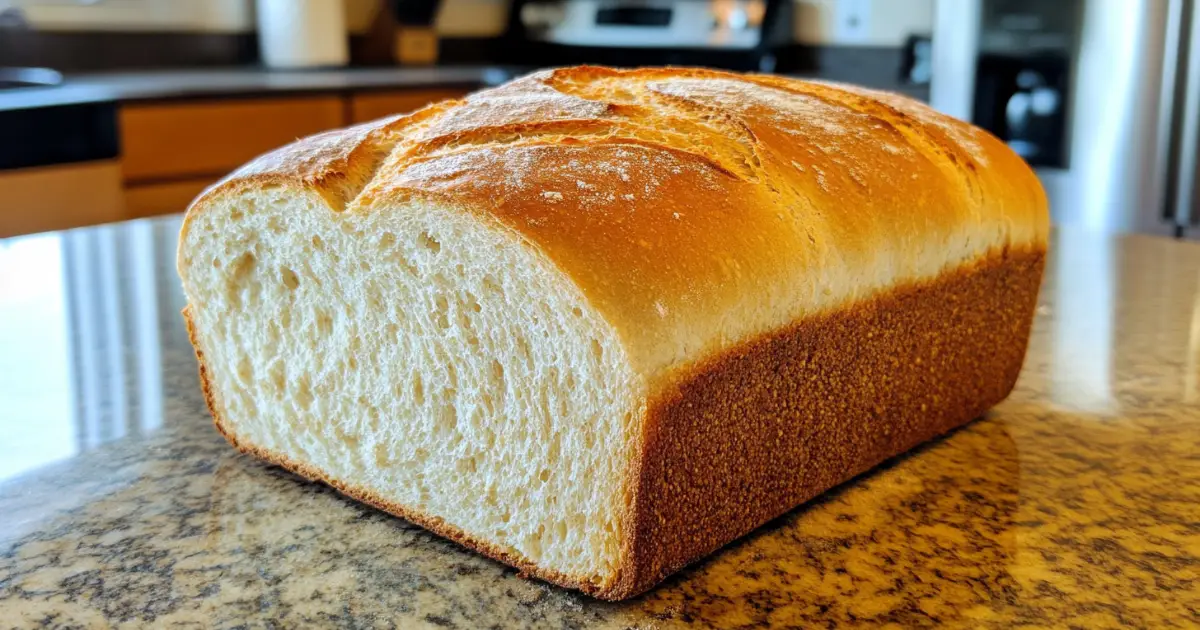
(368, 106)
(185, 139)
(172, 150)
(148, 200)
(59, 197)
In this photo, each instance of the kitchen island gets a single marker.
(1075, 503)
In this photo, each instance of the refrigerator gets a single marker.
(1101, 97)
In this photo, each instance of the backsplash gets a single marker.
(457, 18)
(831, 41)
(71, 36)
(838, 22)
(179, 16)
(866, 23)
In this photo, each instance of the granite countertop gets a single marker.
(234, 81)
(1075, 503)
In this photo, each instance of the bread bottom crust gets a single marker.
(746, 436)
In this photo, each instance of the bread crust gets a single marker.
(747, 436)
(728, 228)
(744, 437)
(695, 209)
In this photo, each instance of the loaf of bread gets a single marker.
(598, 323)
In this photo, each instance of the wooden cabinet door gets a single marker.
(372, 105)
(148, 200)
(161, 141)
(59, 197)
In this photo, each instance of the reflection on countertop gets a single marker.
(86, 318)
(1075, 502)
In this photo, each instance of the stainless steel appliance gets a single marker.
(1101, 96)
(731, 33)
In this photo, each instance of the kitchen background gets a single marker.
(124, 109)
(120, 109)
(1071, 504)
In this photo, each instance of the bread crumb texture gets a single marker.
(597, 323)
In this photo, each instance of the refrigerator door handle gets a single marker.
(1181, 178)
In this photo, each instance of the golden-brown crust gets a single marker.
(693, 208)
(744, 437)
(719, 222)
(768, 425)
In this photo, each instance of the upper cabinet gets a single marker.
(372, 105)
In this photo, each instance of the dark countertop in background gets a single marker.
(1074, 503)
(77, 121)
(115, 87)
(244, 81)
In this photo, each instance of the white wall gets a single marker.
(218, 16)
(458, 18)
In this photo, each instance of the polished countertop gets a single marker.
(1075, 503)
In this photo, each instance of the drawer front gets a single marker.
(59, 197)
(174, 140)
(374, 105)
(148, 200)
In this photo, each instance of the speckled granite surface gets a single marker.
(1076, 503)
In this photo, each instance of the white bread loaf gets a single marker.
(597, 323)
